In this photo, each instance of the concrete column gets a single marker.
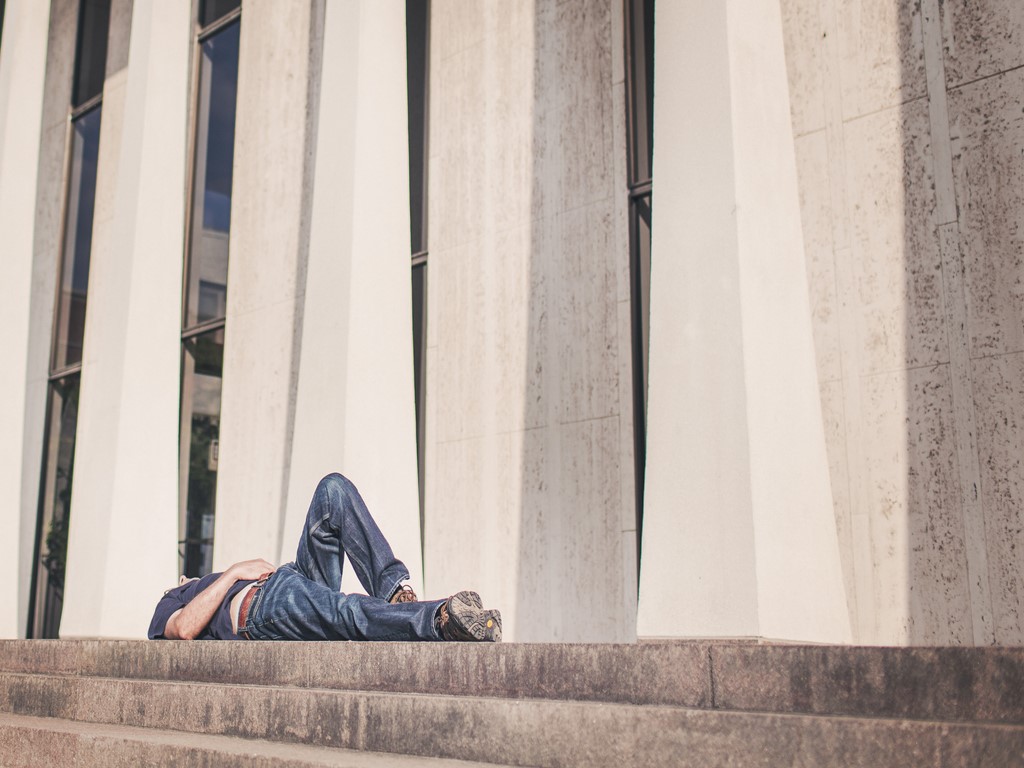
(272, 186)
(23, 385)
(121, 552)
(355, 407)
(738, 510)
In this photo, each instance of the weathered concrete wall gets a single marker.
(908, 130)
(529, 495)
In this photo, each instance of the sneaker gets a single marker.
(462, 617)
(403, 594)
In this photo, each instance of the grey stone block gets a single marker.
(973, 684)
(535, 732)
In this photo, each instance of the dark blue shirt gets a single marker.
(219, 627)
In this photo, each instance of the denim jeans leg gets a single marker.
(291, 607)
(338, 523)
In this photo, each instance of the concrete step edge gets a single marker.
(957, 684)
(33, 741)
(516, 732)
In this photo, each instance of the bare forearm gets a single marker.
(190, 621)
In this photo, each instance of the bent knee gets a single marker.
(336, 482)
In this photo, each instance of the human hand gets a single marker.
(248, 570)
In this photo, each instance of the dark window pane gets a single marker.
(419, 360)
(2, 4)
(417, 28)
(91, 62)
(211, 197)
(74, 274)
(641, 69)
(55, 509)
(215, 9)
(640, 290)
(202, 360)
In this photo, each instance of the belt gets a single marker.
(243, 610)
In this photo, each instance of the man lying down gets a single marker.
(302, 600)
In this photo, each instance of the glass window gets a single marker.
(417, 64)
(55, 508)
(212, 177)
(202, 363)
(90, 67)
(74, 272)
(640, 127)
(215, 9)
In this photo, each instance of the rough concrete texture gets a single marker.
(950, 684)
(518, 732)
(908, 132)
(35, 741)
(529, 484)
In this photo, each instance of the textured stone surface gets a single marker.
(921, 188)
(520, 732)
(525, 353)
(34, 741)
(1000, 397)
(988, 131)
(922, 683)
(982, 38)
(882, 61)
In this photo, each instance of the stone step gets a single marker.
(30, 742)
(534, 732)
(945, 684)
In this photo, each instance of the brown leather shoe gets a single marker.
(404, 594)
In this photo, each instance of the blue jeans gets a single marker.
(302, 600)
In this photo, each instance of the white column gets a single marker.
(738, 518)
(121, 550)
(355, 405)
(272, 185)
(23, 384)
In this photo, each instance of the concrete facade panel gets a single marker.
(816, 212)
(1000, 406)
(805, 34)
(882, 54)
(898, 265)
(981, 39)
(988, 131)
(524, 276)
(22, 68)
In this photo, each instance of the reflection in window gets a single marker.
(212, 178)
(74, 280)
(205, 283)
(90, 67)
(417, 31)
(200, 429)
(55, 508)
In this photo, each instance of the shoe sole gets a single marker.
(472, 621)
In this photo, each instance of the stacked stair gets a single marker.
(109, 703)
